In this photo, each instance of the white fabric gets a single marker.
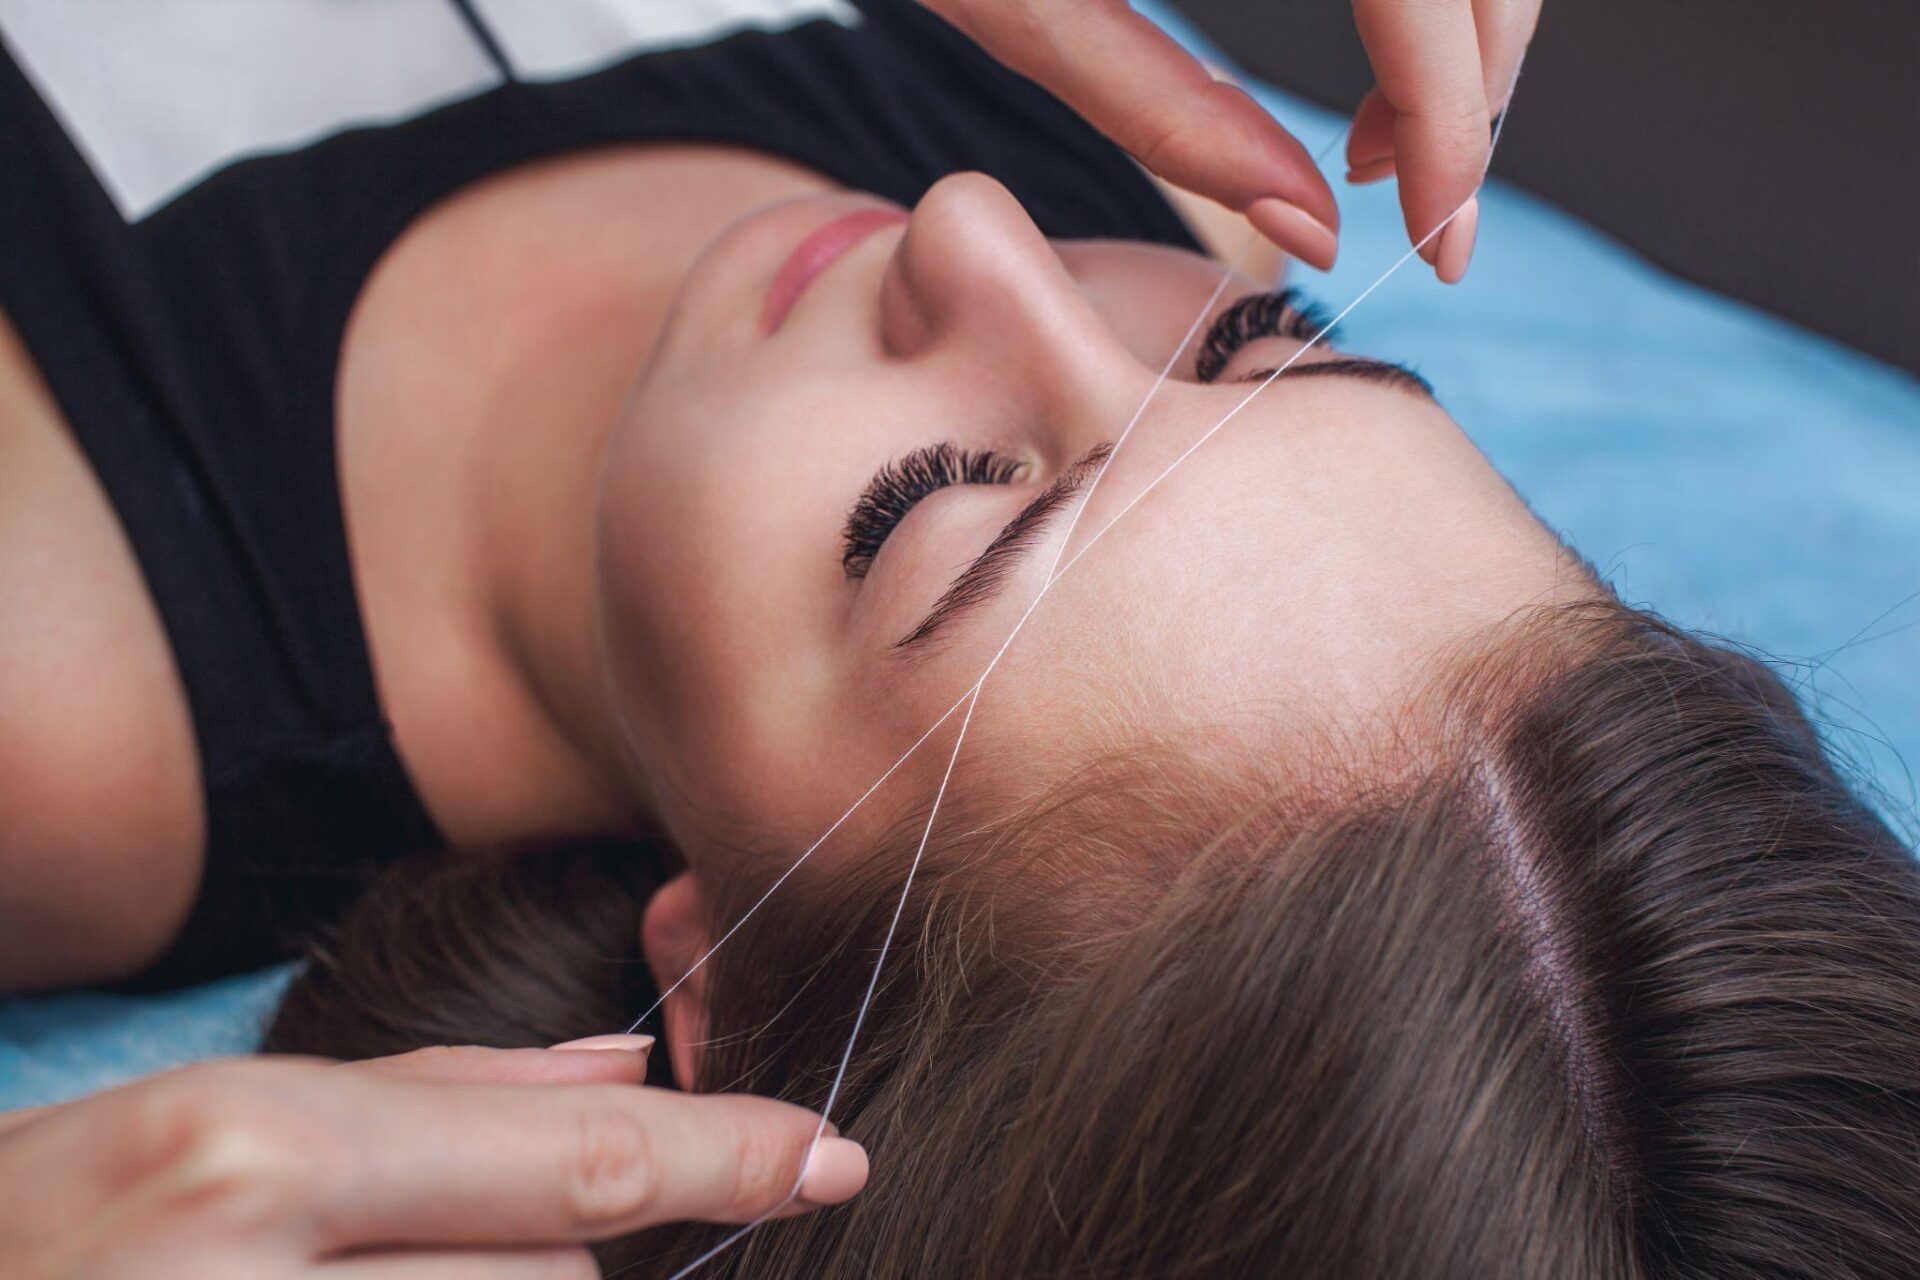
(157, 94)
(544, 40)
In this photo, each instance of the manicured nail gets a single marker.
(1371, 171)
(632, 1044)
(1456, 243)
(1295, 230)
(836, 1170)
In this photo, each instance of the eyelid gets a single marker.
(903, 483)
(990, 569)
(1274, 313)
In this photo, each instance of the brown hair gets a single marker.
(1617, 979)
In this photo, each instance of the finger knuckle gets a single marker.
(220, 1143)
(1461, 111)
(1182, 141)
(614, 1174)
(433, 1058)
(1471, 131)
(448, 1062)
(766, 1166)
(1168, 140)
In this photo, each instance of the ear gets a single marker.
(673, 937)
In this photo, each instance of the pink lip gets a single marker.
(815, 254)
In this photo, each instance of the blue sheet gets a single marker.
(1732, 471)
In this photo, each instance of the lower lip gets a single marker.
(815, 254)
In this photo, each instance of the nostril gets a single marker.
(904, 320)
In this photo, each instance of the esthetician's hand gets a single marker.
(1442, 67)
(480, 1164)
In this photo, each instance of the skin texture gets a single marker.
(285, 1167)
(1306, 561)
(484, 361)
(98, 774)
(576, 628)
(595, 601)
(463, 341)
(635, 585)
(1294, 576)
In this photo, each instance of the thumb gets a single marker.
(738, 1156)
(1131, 81)
(615, 1060)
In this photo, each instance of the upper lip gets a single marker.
(816, 252)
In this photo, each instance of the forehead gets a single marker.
(1312, 554)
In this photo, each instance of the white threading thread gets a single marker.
(1073, 523)
(1055, 572)
(971, 698)
(974, 688)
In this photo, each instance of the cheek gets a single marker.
(723, 601)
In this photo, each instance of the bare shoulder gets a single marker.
(100, 813)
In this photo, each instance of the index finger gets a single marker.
(611, 1063)
(470, 1164)
(1426, 60)
(1135, 84)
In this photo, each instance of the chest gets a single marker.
(491, 346)
(567, 264)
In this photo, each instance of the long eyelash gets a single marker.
(900, 486)
(1283, 313)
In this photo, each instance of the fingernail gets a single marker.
(836, 1170)
(1295, 230)
(1456, 243)
(1371, 171)
(632, 1044)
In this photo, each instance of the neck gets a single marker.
(536, 506)
(583, 304)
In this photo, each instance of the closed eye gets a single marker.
(1280, 313)
(978, 582)
(903, 484)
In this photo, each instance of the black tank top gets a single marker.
(191, 201)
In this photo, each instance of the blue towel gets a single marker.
(1732, 471)
(58, 1047)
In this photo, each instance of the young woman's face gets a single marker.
(784, 615)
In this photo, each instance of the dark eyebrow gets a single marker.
(1382, 373)
(990, 569)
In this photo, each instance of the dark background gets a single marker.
(1768, 150)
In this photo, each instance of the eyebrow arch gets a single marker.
(990, 569)
(1383, 373)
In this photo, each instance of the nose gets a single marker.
(974, 282)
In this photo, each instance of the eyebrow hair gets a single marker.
(990, 569)
(1383, 373)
